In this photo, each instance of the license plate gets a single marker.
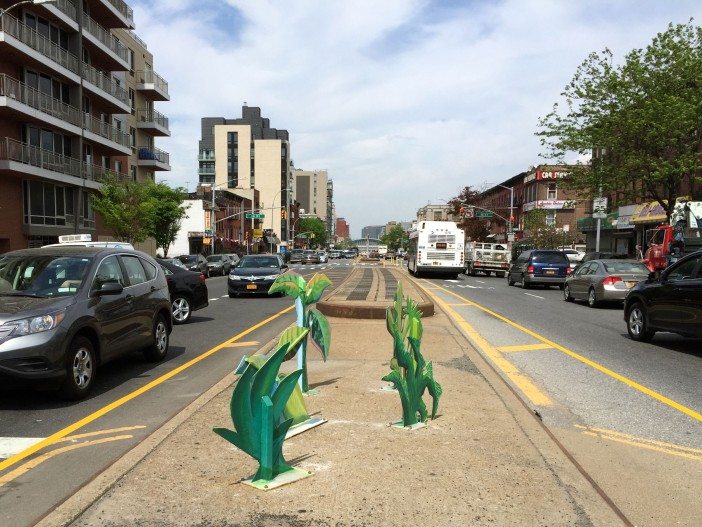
(550, 272)
(251, 286)
(441, 245)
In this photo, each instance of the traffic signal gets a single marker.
(283, 214)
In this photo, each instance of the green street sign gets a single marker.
(301, 236)
(254, 215)
(483, 214)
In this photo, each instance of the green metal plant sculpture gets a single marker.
(305, 294)
(410, 374)
(257, 409)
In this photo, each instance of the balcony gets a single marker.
(206, 171)
(65, 11)
(153, 158)
(32, 105)
(153, 86)
(153, 122)
(22, 159)
(107, 88)
(107, 135)
(113, 13)
(205, 157)
(111, 53)
(29, 47)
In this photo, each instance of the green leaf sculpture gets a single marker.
(410, 374)
(257, 408)
(305, 294)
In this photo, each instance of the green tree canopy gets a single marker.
(542, 234)
(395, 238)
(642, 120)
(474, 228)
(313, 225)
(167, 214)
(126, 208)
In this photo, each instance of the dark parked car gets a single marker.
(539, 267)
(219, 264)
(296, 256)
(335, 255)
(670, 302)
(603, 280)
(188, 291)
(349, 253)
(254, 274)
(66, 310)
(310, 257)
(195, 262)
(173, 261)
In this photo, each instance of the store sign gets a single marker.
(599, 208)
(549, 204)
(550, 174)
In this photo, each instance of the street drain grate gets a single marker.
(362, 289)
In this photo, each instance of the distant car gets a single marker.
(390, 255)
(604, 280)
(218, 264)
(173, 261)
(539, 267)
(323, 256)
(66, 310)
(334, 255)
(349, 253)
(234, 258)
(310, 257)
(195, 262)
(254, 274)
(670, 302)
(296, 256)
(188, 291)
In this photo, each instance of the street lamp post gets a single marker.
(23, 2)
(511, 206)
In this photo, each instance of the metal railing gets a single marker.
(206, 171)
(105, 82)
(136, 37)
(123, 8)
(152, 116)
(66, 7)
(104, 36)
(151, 77)
(205, 157)
(147, 154)
(106, 130)
(37, 42)
(33, 98)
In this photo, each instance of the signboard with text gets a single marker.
(599, 208)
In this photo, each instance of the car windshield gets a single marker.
(626, 267)
(215, 258)
(548, 258)
(308, 253)
(188, 259)
(42, 275)
(259, 261)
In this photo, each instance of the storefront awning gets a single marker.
(652, 212)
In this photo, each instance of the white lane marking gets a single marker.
(9, 446)
(480, 281)
(535, 296)
(471, 286)
(452, 281)
(213, 299)
(225, 296)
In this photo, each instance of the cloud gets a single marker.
(402, 101)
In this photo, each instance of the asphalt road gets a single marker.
(630, 413)
(34, 486)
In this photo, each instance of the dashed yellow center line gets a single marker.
(460, 304)
(101, 433)
(523, 347)
(243, 344)
(621, 378)
(642, 442)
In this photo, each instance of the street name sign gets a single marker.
(254, 215)
(484, 214)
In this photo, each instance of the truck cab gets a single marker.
(682, 235)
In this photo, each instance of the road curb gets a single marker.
(74, 506)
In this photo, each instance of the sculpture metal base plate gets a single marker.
(399, 424)
(312, 391)
(281, 479)
(304, 426)
(388, 388)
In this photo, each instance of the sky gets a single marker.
(403, 102)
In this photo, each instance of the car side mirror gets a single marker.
(654, 276)
(110, 288)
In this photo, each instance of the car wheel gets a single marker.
(510, 282)
(80, 369)
(524, 284)
(487, 273)
(637, 324)
(181, 308)
(566, 293)
(592, 298)
(159, 347)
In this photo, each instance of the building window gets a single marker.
(130, 59)
(133, 172)
(232, 160)
(132, 137)
(132, 103)
(46, 204)
(551, 218)
(551, 191)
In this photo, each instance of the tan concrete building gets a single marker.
(441, 212)
(310, 188)
(65, 109)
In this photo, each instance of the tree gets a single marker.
(474, 228)
(641, 120)
(314, 226)
(544, 235)
(126, 208)
(167, 214)
(395, 238)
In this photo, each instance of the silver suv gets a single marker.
(65, 310)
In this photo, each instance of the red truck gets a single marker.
(682, 235)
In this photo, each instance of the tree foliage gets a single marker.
(167, 214)
(542, 234)
(474, 228)
(642, 119)
(395, 238)
(315, 226)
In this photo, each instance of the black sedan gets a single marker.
(188, 291)
(219, 264)
(254, 274)
(669, 302)
(195, 262)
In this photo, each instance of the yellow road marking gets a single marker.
(668, 446)
(243, 344)
(521, 381)
(629, 382)
(523, 347)
(100, 433)
(123, 400)
(461, 304)
(29, 465)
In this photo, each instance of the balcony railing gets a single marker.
(205, 157)
(106, 130)
(136, 37)
(13, 150)
(33, 98)
(105, 82)
(104, 36)
(149, 154)
(151, 77)
(37, 42)
(123, 8)
(206, 171)
(152, 116)
(66, 7)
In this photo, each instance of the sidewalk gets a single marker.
(484, 461)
